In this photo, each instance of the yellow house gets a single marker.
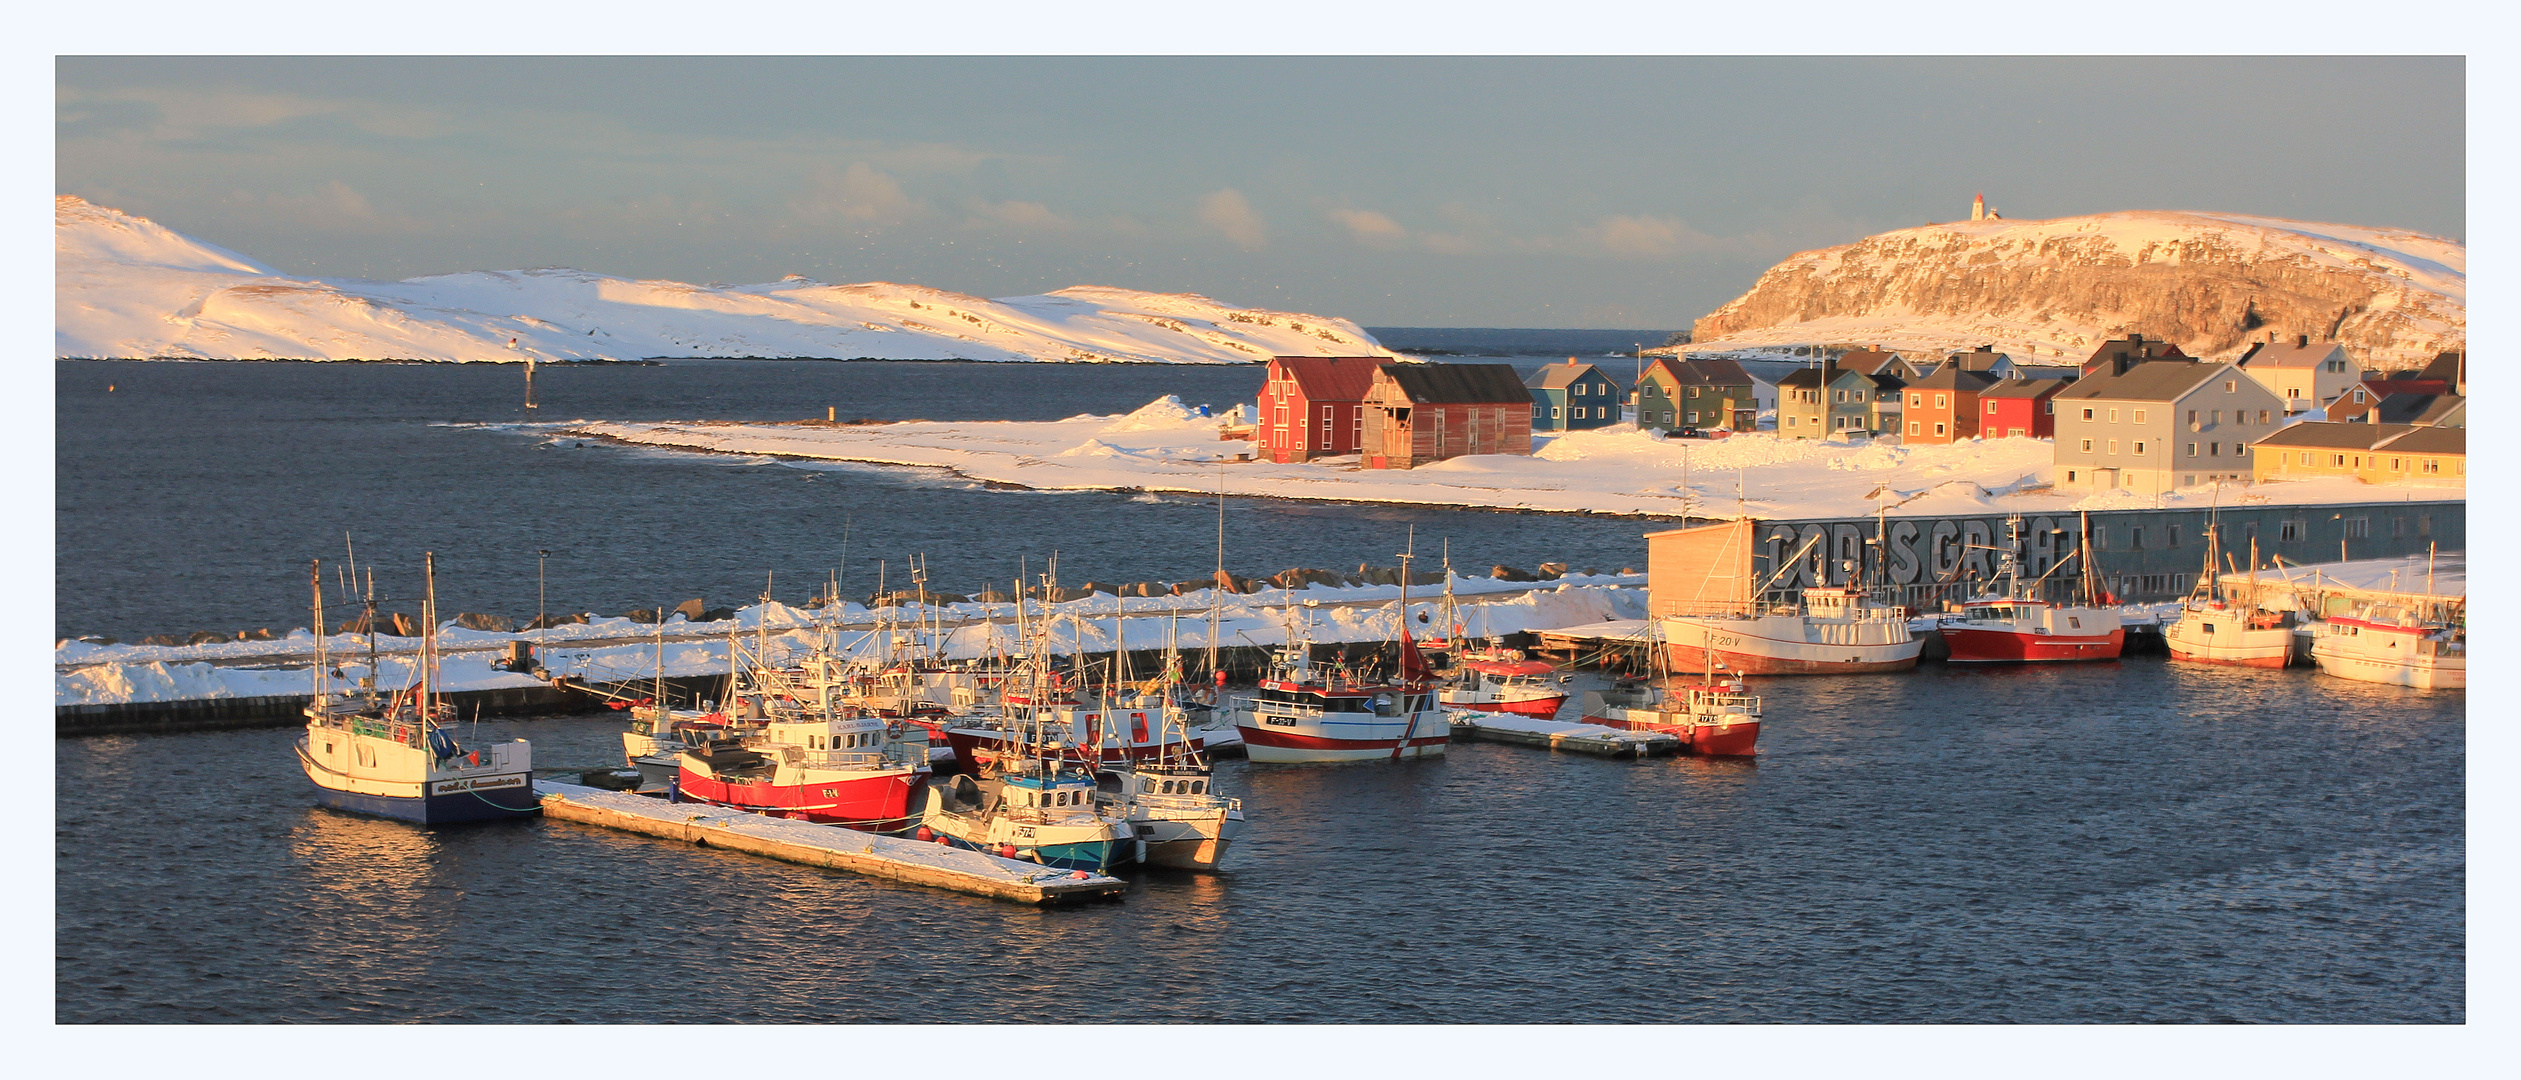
(2401, 454)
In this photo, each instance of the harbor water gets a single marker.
(2127, 842)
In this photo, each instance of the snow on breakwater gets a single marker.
(1167, 447)
(607, 650)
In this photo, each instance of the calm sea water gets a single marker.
(190, 496)
(2108, 843)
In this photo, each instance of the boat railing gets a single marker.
(835, 759)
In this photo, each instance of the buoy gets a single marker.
(1079, 874)
(925, 834)
(1006, 851)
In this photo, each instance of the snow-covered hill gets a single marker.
(2056, 289)
(127, 287)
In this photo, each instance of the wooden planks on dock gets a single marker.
(894, 858)
(1593, 739)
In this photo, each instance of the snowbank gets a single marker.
(1165, 447)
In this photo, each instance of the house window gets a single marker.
(1859, 395)
(2398, 527)
(2394, 465)
(1919, 401)
(1842, 397)
(2140, 416)
(2358, 528)
(2293, 391)
(2424, 524)
(2087, 446)
(1938, 427)
(2289, 530)
(1943, 401)
(2070, 476)
(2087, 414)
(2049, 407)
(1579, 389)
(2192, 449)
(2231, 385)
(1790, 421)
(1553, 413)
(1991, 408)
(2306, 457)
(1916, 427)
(1536, 412)
(2135, 537)
(2214, 449)
(2140, 446)
(2433, 465)
(2113, 446)
(2212, 418)
(2174, 530)
(1693, 416)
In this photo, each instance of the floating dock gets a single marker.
(896, 858)
(1593, 739)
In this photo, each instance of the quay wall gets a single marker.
(2141, 555)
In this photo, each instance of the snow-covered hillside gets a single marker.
(127, 287)
(2053, 290)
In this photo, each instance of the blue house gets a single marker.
(1574, 396)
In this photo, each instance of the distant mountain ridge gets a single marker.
(126, 287)
(2054, 290)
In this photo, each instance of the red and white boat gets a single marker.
(1115, 735)
(2388, 644)
(2215, 629)
(1522, 687)
(1837, 630)
(840, 770)
(1302, 714)
(1712, 719)
(2020, 628)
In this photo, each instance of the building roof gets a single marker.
(2412, 408)
(2033, 389)
(1702, 372)
(1953, 377)
(1561, 376)
(1453, 384)
(1800, 378)
(2294, 354)
(2423, 439)
(2153, 380)
(2334, 435)
(2133, 347)
(2450, 367)
(1331, 378)
(1868, 361)
(2056, 373)
(1982, 358)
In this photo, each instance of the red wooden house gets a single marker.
(2020, 408)
(1313, 406)
(1418, 414)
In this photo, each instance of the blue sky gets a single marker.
(1543, 192)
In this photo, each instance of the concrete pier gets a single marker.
(893, 858)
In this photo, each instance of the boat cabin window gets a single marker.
(1387, 705)
(1167, 788)
(1198, 787)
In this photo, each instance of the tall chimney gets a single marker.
(2302, 341)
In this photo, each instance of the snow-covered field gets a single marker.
(596, 651)
(127, 287)
(1167, 447)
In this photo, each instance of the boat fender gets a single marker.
(1079, 874)
(925, 834)
(1006, 851)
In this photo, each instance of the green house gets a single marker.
(1704, 394)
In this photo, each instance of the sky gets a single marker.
(1421, 191)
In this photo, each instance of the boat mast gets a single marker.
(315, 571)
(429, 639)
(1215, 597)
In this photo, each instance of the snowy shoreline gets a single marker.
(1620, 471)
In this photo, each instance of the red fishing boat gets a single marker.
(1712, 719)
(2017, 627)
(1513, 686)
(853, 771)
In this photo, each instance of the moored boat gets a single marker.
(2017, 626)
(2215, 629)
(1305, 714)
(398, 757)
(1514, 686)
(2386, 643)
(1836, 630)
(1712, 719)
(837, 769)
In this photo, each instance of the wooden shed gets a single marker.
(1421, 413)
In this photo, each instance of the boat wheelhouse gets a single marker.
(1180, 819)
(2386, 643)
(852, 770)
(1038, 808)
(1302, 714)
(1522, 687)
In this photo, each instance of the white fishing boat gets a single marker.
(2391, 643)
(1170, 799)
(2216, 628)
(399, 756)
(1830, 630)
(1304, 713)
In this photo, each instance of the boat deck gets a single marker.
(895, 858)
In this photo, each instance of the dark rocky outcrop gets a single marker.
(489, 624)
(1503, 572)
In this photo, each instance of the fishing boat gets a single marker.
(2214, 628)
(1827, 630)
(1522, 687)
(1713, 717)
(398, 756)
(1035, 806)
(836, 769)
(1305, 713)
(1171, 799)
(2016, 626)
(2394, 644)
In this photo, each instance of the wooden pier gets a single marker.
(1593, 739)
(895, 858)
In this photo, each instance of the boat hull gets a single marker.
(1704, 740)
(1187, 845)
(1972, 645)
(1282, 746)
(2422, 673)
(444, 802)
(879, 801)
(1542, 708)
(2231, 643)
(1789, 645)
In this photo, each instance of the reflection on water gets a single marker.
(2133, 842)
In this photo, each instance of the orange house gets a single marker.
(1943, 406)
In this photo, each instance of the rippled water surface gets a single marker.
(2136, 842)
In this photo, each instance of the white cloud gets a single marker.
(858, 195)
(1369, 227)
(1642, 236)
(1228, 212)
(1031, 216)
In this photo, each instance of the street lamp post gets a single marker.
(542, 620)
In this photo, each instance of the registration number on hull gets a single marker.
(477, 783)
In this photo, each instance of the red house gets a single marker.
(2020, 408)
(1313, 406)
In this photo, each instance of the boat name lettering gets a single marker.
(476, 783)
